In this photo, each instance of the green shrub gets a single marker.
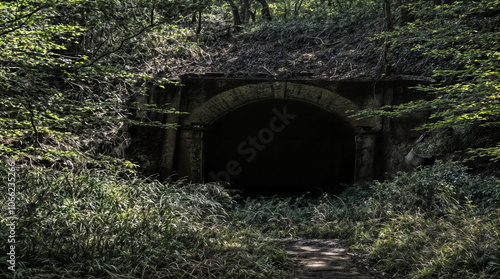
(436, 190)
(436, 222)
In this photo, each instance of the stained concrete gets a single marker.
(320, 149)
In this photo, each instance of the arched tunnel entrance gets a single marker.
(280, 147)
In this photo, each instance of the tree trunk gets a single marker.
(236, 13)
(285, 9)
(198, 28)
(193, 18)
(252, 15)
(197, 21)
(266, 13)
(298, 4)
(386, 67)
(387, 15)
(246, 10)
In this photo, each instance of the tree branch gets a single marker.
(122, 43)
(36, 142)
(27, 17)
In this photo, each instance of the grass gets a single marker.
(97, 225)
(437, 222)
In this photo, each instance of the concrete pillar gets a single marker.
(169, 144)
(168, 152)
(195, 150)
(365, 156)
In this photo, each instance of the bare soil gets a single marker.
(319, 259)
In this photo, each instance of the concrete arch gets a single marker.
(184, 149)
(229, 100)
(206, 99)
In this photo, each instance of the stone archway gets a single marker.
(232, 99)
(221, 104)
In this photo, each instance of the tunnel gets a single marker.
(285, 147)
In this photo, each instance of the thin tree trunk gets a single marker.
(298, 4)
(388, 15)
(285, 8)
(246, 10)
(193, 18)
(266, 13)
(236, 13)
(198, 28)
(252, 15)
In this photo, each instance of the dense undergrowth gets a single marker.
(97, 225)
(437, 222)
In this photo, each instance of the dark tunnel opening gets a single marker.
(280, 147)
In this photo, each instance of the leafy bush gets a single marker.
(437, 222)
(437, 190)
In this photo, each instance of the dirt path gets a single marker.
(320, 259)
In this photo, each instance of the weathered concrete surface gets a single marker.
(381, 144)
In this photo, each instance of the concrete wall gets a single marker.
(380, 143)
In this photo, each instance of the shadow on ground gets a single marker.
(316, 258)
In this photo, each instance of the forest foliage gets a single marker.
(58, 55)
(71, 69)
(460, 41)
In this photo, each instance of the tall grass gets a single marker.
(98, 225)
(437, 222)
